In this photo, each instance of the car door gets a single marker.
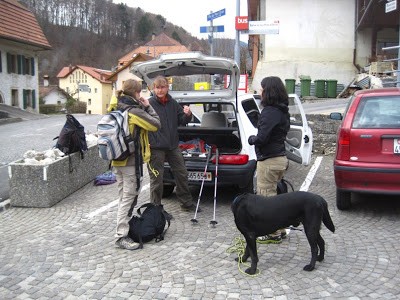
(299, 138)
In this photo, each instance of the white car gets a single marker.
(222, 120)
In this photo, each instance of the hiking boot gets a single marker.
(266, 239)
(126, 243)
(190, 207)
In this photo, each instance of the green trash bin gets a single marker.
(290, 85)
(305, 86)
(331, 86)
(319, 88)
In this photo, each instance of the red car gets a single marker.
(368, 145)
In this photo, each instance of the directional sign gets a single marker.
(206, 29)
(390, 6)
(216, 14)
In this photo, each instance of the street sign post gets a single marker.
(207, 29)
(216, 14)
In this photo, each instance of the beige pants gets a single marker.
(269, 173)
(126, 179)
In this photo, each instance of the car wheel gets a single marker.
(167, 190)
(251, 187)
(343, 199)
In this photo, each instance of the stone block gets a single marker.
(46, 185)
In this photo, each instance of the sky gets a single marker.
(192, 14)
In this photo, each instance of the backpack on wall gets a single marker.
(149, 225)
(72, 137)
(114, 140)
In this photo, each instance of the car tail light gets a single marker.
(343, 147)
(232, 159)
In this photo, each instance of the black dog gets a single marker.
(257, 216)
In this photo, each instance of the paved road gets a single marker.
(67, 251)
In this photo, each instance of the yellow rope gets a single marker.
(239, 246)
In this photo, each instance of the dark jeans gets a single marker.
(175, 159)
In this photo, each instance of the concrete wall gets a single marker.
(46, 185)
(17, 81)
(316, 38)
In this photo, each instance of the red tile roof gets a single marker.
(159, 45)
(100, 75)
(18, 24)
(137, 57)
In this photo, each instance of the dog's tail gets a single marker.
(326, 217)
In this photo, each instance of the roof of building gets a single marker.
(18, 24)
(158, 45)
(136, 58)
(46, 90)
(100, 75)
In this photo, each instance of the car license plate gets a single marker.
(198, 176)
(396, 146)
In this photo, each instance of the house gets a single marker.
(158, 45)
(52, 94)
(87, 84)
(322, 39)
(20, 40)
(123, 72)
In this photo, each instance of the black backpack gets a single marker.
(71, 138)
(282, 186)
(149, 225)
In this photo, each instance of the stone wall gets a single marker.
(324, 133)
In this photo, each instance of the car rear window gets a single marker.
(199, 82)
(378, 112)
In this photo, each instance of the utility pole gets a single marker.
(237, 40)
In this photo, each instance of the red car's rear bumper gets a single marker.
(367, 177)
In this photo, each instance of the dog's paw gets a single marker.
(308, 268)
(251, 271)
(320, 257)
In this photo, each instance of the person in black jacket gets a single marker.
(164, 145)
(273, 126)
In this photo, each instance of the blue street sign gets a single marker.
(216, 14)
(206, 29)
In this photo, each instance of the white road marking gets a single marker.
(310, 176)
(112, 204)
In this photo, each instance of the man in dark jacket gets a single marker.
(164, 145)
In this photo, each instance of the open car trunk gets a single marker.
(194, 141)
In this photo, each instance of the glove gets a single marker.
(252, 139)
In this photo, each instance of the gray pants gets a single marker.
(175, 159)
(126, 179)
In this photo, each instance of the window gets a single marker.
(1, 67)
(95, 90)
(14, 98)
(11, 63)
(89, 101)
(20, 64)
(378, 112)
(29, 98)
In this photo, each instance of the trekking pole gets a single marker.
(194, 220)
(213, 222)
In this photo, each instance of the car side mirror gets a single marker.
(336, 116)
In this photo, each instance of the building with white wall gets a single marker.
(19, 45)
(323, 39)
